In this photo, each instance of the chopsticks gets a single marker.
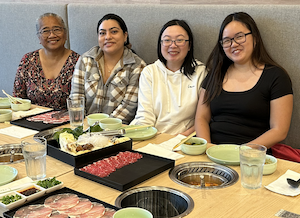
(184, 140)
(137, 127)
(12, 99)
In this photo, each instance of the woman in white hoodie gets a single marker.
(170, 87)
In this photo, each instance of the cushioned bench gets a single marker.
(279, 26)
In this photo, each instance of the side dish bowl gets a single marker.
(270, 165)
(194, 146)
(110, 123)
(21, 107)
(5, 115)
(92, 118)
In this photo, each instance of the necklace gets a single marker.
(109, 70)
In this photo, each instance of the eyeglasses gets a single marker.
(238, 38)
(177, 42)
(56, 31)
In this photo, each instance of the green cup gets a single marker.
(132, 212)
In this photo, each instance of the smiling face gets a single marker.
(238, 53)
(111, 37)
(53, 41)
(174, 54)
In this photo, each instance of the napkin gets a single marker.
(281, 186)
(20, 114)
(164, 149)
(17, 132)
(15, 184)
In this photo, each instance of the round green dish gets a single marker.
(8, 174)
(224, 154)
(4, 103)
(141, 134)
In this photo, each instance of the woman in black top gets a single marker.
(246, 96)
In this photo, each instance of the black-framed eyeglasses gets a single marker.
(238, 38)
(177, 42)
(56, 31)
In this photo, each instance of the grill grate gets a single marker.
(203, 175)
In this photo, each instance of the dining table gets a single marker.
(233, 201)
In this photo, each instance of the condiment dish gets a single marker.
(12, 204)
(194, 146)
(26, 105)
(34, 195)
(5, 115)
(92, 118)
(110, 123)
(270, 165)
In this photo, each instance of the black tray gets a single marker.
(132, 174)
(10, 214)
(53, 150)
(39, 126)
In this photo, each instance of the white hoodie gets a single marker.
(168, 100)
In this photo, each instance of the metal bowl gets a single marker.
(11, 153)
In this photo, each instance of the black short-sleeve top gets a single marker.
(239, 117)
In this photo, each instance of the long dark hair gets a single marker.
(189, 64)
(121, 23)
(218, 63)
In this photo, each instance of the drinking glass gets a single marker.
(76, 111)
(35, 158)
(252, 159)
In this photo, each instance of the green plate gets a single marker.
(4, 103)
(141, 134)
(224, 154)
(8, 174)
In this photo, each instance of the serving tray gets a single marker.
(132, 174)
(36, 125)
(10, 214)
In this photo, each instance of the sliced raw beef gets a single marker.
(83, 206)
(47, 118)
(62, 201)
(105, 167)
(97, 211)
(109, 213)
(33, 211)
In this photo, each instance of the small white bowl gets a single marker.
(92, 118)
(5, 115)
(41, 191)
(194, 146)
(270, 168)
(21, 107)
(110, 123)
(12, 204)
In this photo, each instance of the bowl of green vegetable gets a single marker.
(11, 200)
(50, 184)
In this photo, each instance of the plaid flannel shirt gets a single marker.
(118, 96)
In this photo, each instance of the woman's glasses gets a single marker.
(238, 38)
(57, 31)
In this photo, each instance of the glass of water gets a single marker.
(76, 111)
(252, 160)
(35, 158)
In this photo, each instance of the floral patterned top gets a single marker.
(30, 82)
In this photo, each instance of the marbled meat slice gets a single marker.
(47, 118)
(62, 201)
(36, 210)
(109, 213)
(83, 206)
(97, 211)
(105, 167)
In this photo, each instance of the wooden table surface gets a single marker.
(233, 201)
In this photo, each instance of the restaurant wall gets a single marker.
(195, 2)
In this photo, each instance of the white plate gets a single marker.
(8, 174)
(13, 204)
